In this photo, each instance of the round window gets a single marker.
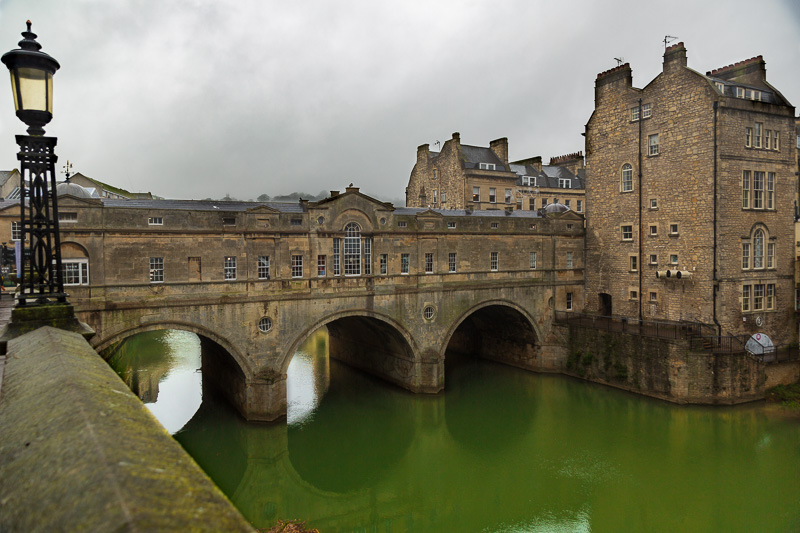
(265, 324)
(320, 220)
(428, 312)
(383, 221)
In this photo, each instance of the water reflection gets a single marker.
(501, 450)
(162, 368)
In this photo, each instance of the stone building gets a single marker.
(462, 176)
(689, 202)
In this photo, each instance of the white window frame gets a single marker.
(69, 217)
(509, 196)
(384, 264)
(405, 263)
(635, 113)
(451, 262)
(647, 111)
(579, 207)
(626, 229)
(262, 269)
(352, 249)
(568, 301)
(494, 261)
(653, 147)
(569, 262)
(627, 178)
(156, 270)
(492, 195)
(476, 194)
(486, 166)
(16, 230)
(297, 266)
(229, 268)
(451, 225)
(80, 267)
(533, 260)
(564, 183)
(429, 262)
(155, 221)
(322, 265)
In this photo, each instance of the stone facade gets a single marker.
(692, 174)
(480, 178)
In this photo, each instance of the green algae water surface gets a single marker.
(502, 450)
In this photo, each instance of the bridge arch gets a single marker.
(242, 362)
(497, 329)
(353, 334)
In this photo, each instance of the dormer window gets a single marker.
(720, 87)
(530, 181)
(564, 183)
(486, 166)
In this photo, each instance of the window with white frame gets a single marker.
(746, 189)
(770, 192)
(569, 260)
(673, 229)
(404, 263)
(352, 249)
(337, 262)
(263, 267)
(476, 194)
(647, 110)
(492, 195)
(368, 256)
(634, 263)
(75, 271)
(533, 260)
(653, 296)
(486, 166)
(428, 263)
(569, 301)
(564, 183)
(493, 261)
(653, 203)
(653, 259)
(579, 206)
(509, 196)
(229, 268)
(156, 269)
(68, 217)
(758, 248)
(435, 195)
(384, 264)
(155, 221)
(771, 255)
(495, 225)
(757, 137)
(322, 266)
(16, 231)
(627, 232)
(745, 255)
(627, 177)
(748, 137)
(451, 225)
(745, 297)
(451, 262)
(444, 197)
(634, 113)
(652, 143)
(758, 190)
(297, 266)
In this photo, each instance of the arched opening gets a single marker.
(173, 371)
(498, 332)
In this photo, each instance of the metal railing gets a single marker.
(664, 329)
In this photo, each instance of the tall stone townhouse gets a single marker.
(690, 195)
(461, 176)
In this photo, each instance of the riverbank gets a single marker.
(788, 396)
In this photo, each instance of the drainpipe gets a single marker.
(639, 187)
(715, 281)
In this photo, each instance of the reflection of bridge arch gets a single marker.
(387, 325)
(496, 329)
(101, 344)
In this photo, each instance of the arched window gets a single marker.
(352, 249)
(627, 177)
(758, 248)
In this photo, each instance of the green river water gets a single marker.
(502, 450)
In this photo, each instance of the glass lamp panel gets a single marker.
(14, 90)
(33, 88)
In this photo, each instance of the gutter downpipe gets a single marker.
(639, 259)
(715, 281)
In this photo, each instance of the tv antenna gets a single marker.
(620, 60)
(67, 168)
(668, 39)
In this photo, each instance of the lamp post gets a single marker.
(41, 280)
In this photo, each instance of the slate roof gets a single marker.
(473, 155)
(4, 175)
(463, 213)
(549, 175)
(200, 205)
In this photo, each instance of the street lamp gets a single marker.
(32, 73)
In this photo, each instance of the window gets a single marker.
(368, 256)
(519, 203)
(76, 271)
(653, 230)
(758, 249)
(155, 221)
(652, 142)
(492, 195)
(384, 264)
(544, 203)
(776, 140)
(263, 267)
(509, 196)
(673, 259)
(337, 269)
(653, 296)
(495, 225)
(740, 92)
(767, 139)
(444, 197)
(745, 255)
(564, 183)
(428, 312)
(569, 226)
(156, 269)
(402, 224)
(228, 221)
(770, 296)
(486, 166)
(435, 195)
(297, 222)
(568, 203)
(758, 190)
(745, 297)
(69, 218)
(297, 266)
(673, 229)
(435, 173)
(720, 87)
(757, 138)
(653, 259)
(16, 231)
(533, 260)
(771, 255)
(634, 295)
(321, 266)
(627, 233)
(653, 203)
(634, 113)
(746, 189)
(569, 259)
(569, 301)
(404, 263)
(770, 190)
(627, 177)
(451, 225)
(265, 324)
(451, 262)
(428, 263)
(476, 194)
(352, 249)
(748, 137)
(634, 263)
(646, 110)
(579, 207)
(229, 268)
(493, 262)
(758, 297)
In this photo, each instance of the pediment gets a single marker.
(429, 213)
(262, 210)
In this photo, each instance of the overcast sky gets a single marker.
(202, 98)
